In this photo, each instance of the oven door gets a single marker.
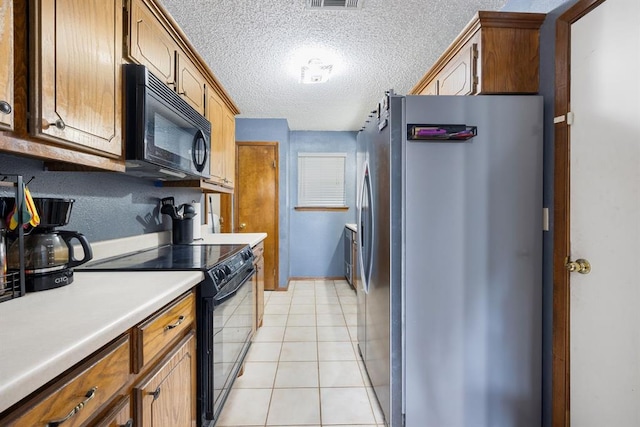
(232, 331)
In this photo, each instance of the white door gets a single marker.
(605, 216)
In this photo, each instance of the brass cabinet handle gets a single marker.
(90, 395)
(243, 225)
(175, 325)
(581, 266)
(5, 107)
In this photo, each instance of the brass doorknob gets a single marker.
(243, 225)
(581, 266)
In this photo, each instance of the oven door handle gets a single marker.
(219, 299)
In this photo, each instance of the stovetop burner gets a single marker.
(168, 257)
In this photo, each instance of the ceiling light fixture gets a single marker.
(315, 72)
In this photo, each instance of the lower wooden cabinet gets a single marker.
(104, 391)
(167, 396)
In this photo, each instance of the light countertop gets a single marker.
(352, 227)
(42, 334)
(250, 239)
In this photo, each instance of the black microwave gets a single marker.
(165, 138)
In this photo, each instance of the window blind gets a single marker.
(321, 179)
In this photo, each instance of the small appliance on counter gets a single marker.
(181, 220)
(48, 253)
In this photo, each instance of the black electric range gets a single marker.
(220, 263)
(224, 310)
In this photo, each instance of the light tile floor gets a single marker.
(303, 368)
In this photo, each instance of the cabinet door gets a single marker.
(6, 64)
(150, 44)
(229, 135)
(77, 86)
(459, 77)
(431, 88)
(215, 114)
(191, 83)
(167, 397)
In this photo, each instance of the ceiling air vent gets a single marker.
(334, 4)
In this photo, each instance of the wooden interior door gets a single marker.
(256, 200)
(596, 348)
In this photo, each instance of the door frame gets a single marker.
(560, 407)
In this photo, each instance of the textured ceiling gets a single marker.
(256, 49)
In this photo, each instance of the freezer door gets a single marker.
(473, 214)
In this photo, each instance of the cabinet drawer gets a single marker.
(155, 334)
(84, 392)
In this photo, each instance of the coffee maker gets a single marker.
(48, 252)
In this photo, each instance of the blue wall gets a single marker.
(108, 205)
(310, 242)
(317, 235)
(274, 130)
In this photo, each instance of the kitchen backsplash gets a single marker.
(108, 205)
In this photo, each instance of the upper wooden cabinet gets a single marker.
(6, 65)
(191, 84)
(223, 141)
(496, 53)
(77, 83)
(215, 114)
(460, 76)
(151, 44)
(156, 41)
(229, 137)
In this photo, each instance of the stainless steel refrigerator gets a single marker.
(450, 259)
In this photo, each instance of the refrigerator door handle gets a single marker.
(365, 229)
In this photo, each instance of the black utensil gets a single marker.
(169, 210)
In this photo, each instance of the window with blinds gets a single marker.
(321, 180)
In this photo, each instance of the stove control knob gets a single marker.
(220, 274)
(227, 270)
